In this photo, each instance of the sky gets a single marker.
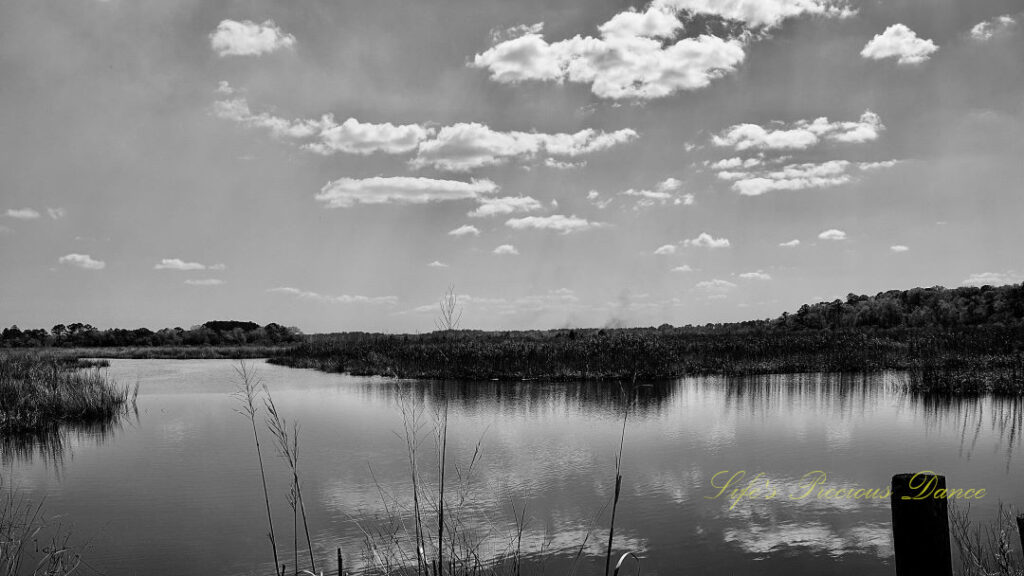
(338, 166)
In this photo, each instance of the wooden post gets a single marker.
(920, 525)
(1020, 530)
(341, 564)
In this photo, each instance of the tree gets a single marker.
(59, 331)
(451, 312)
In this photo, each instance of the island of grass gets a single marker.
(954, 341)
(40, 391)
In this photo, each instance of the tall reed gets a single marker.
(248, 390)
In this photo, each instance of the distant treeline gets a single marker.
(216, 333)
(917, 308)
(952, 340)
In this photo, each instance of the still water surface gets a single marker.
(176, 488)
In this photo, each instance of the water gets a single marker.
(175, 489)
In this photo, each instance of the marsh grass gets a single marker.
(956, 361)
(30, 544)
(40, 392)
(989, 550)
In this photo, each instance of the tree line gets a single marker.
(215, 333)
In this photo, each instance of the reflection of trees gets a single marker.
(531, 397)
(972, 416)
(52, 444)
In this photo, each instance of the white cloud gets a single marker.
(204, 282)
(635, 56)
(82, 261)
(759, 275)
(56, 213)
(342, 299)
(224, 87)
(179, 264)
(794, 177)
(867, 166)
(683, 268)
(247, 38)
(506, 205)
(22, 213)
(737, 162)
(507, 249)
(457, 148)
(355, 137)
(347, 192)
(329, 137)
(665, 250)
(662, 194)
(594, 196)
(557, 222)
(464, 230)
(715, 286)
(467, 146)
(898, 41)
(767, 13)
(800, 135)
(832, 234)
(437, 264)
(983, 31)
(993, 278)
(791, 244)
(899, 248)
(564, 165)
(705, 240)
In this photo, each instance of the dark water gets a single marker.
(176, 488)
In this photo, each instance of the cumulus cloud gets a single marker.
(900, 42)
(636, 53)
(341, 299)
(506, 249)
(467, 146)
(832, 234)
(457, 148)
(506, 205)
(634, 56)
(594, 197)
(437, 264)
(666, 250)
(983, 31)
(705, 240)
(795, 177)
(22, 213)
(791, 244)
(347, 192)
(993, 278)
(762, 13)
(557, 222)
(715, 286)
(56, 213)
(325, 135)
(683, 268)
(465, 230)
(899, 248)
(355, 137)
(758, 275)
(800, 135)
(204, 282)
(179, 264)
(247, 38)
(663, 193)
(799, 176)
(564, 165)
(82, 261)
